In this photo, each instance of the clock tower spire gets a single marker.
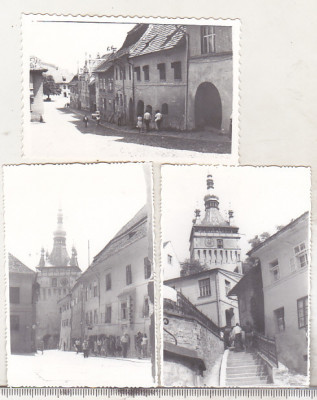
(214, 240)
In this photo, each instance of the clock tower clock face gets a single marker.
(209, 242)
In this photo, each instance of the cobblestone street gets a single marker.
(63, 135)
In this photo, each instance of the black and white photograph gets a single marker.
(235, 264)
(80, 275)
(135, 89)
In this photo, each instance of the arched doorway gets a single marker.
(140, 108)
(131, 111)
(208, 108)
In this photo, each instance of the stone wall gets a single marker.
(192, 335)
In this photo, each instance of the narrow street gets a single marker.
(59, 368)
(63, 136)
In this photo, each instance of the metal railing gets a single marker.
(184, 307)
(266, 346)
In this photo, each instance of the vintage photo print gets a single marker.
(142, 89)
(80, 275)
(235, 264)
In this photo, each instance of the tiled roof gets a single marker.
(158, 37)
(16, 265)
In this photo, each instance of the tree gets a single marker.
(189, 267)
(49, 86)
(258, 239)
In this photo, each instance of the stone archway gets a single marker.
(140, 108)
(208, 107)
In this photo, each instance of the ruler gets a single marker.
(161, 393)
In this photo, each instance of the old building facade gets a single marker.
(22, 292)
(284, 262)
(210, 77)
(115, 287)
(185, 72)
(56, 275)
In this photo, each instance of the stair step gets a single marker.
(246, 382)
(247, 375)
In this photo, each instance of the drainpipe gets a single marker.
(133, 95)
(218, 301)
(187, 79)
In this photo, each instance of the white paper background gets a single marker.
(278, 85)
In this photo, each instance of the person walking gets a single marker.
(147, 120)
(138, 344)
(98, 120)
(99, 347)
(85, 119)
(139, 123)
(237, 336)
(158, 120)
(144, 344)
(85, 348)
(125, 344)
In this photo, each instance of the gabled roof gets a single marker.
(16, 265)
(134, 230)
(158, 37)
(278, 233)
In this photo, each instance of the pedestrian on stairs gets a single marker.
(237, 337)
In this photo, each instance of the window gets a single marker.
(279, 318)
(219, 243)
(228, 287)
(128, 275)
(165, 108)
(130, 72)
(204, 287)
(146, 71)
(137, 70)
(274, 270)
(90, 317)
(208, 39)
(170, 259)
(162, 71)
(95, 290)
(147, 268)
(64, 87)
(116, 74)
(177, 66)
(44, 293)
(302, 312)
(54, 282)
(124, 310)
(108, 281)
(110, 84)
(14, 295)
(49, 292)
(301, 256)
(87, 318)
(95, 317)
(14, 322)
(146, 307)
(108, 314)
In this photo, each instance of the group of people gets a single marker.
(146, 120)
(86, 120)
(239, 338)
(112, 346)
(143, 121)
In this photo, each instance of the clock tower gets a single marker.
(214, 240)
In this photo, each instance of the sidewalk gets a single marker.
(202, 136)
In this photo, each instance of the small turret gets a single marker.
(42, 261)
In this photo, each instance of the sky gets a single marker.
(96, 199)
(261, 198)
(66, 44)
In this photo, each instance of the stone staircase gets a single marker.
(245, 369)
